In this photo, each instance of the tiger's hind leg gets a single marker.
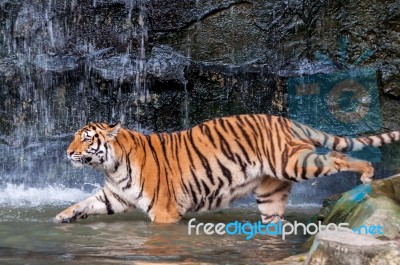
(271, 196)
(309, 165)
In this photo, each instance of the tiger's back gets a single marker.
(214, 163)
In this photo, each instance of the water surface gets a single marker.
(29, 235)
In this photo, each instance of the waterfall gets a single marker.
(57, 76)
(64, 65)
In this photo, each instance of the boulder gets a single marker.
(346, 247)
(377, 203)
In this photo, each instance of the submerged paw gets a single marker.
(273, 218)
(61, 218)
(69, 215)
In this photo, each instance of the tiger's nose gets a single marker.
(70, 152)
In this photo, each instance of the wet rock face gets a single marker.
(111, 57)
(122, 57)
(166, 65)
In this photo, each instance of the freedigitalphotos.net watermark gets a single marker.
(249, 230)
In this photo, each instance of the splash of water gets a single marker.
(17, 196)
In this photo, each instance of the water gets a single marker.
(28, 235)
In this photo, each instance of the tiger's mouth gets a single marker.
(86, 160)
(80, 160)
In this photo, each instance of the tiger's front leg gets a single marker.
(103, 202)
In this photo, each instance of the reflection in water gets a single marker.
(28, 234)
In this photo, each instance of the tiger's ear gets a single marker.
(113, 131)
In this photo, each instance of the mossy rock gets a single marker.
(377, 203)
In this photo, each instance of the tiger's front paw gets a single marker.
(70, 214)
(273, 218)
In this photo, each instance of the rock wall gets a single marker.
(135, 60)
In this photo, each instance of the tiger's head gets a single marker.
(91, 143)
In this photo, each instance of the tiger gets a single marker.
(210, 165)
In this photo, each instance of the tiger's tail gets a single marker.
(343, 144)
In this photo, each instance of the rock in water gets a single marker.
(372, 204)
(342, 247)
